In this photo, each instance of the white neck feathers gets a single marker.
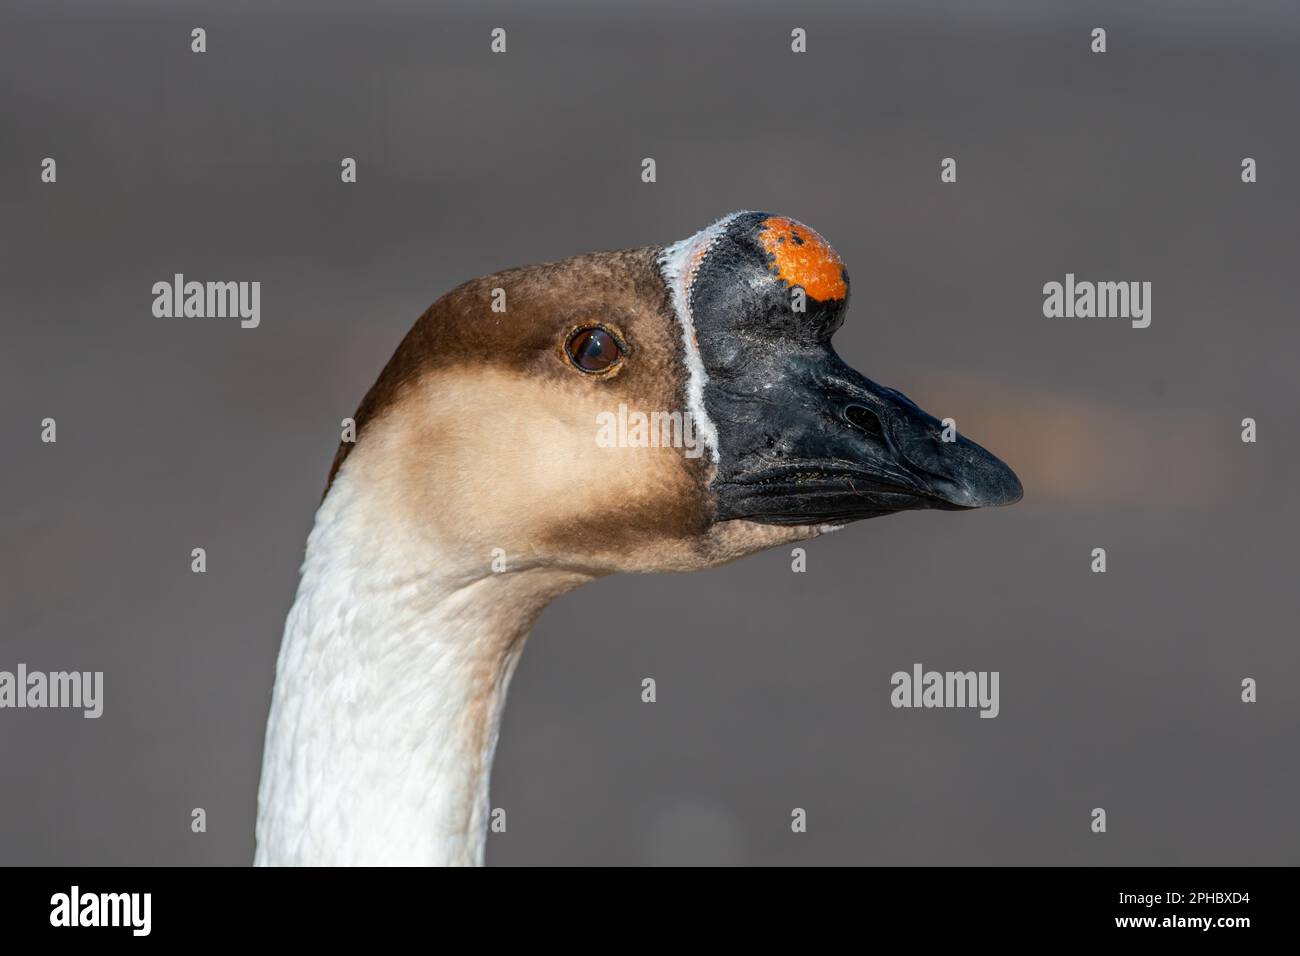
(389, 690)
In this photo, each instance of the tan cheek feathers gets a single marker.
(487, 459)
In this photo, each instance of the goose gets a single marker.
(475, 493)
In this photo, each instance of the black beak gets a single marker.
(801, 437)
(949, 467)
(823, 444)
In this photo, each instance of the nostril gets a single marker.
(865, 420)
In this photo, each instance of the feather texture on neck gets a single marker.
(389, 691)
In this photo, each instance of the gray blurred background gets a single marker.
(1118, 690)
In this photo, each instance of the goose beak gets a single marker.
(828, 445)
(947, 467)
(803, 439)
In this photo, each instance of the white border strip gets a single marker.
(678, 264)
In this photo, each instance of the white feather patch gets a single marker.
(678, 264)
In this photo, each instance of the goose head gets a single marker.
(654, 409)
(515, 447)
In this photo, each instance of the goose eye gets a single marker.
(593, 350)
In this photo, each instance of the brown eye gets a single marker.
(594, 349)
